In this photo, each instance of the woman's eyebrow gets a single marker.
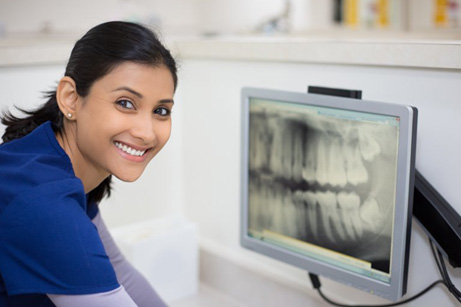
(128, 89)
(167, 101)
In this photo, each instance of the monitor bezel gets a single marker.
(404, 193)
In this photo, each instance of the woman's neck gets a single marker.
(90, 176)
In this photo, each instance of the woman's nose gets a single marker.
(144, 128)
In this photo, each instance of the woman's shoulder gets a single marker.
(48, 236)
(61, 197)
(41, 141)
(31, 164)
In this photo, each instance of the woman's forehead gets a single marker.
(140, 78)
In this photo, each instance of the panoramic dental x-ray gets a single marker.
(324, 180)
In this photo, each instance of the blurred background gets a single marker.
(207, 17)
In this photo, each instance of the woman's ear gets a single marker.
(67, 97)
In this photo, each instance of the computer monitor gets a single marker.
(327, 185)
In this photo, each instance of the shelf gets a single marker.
(423, 50)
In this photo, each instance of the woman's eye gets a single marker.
(126, 104)
(162, 111)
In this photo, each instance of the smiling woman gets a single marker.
(130, 109)
(110, 115)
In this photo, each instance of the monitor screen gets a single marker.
(327, 185)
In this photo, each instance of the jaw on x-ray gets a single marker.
(324, 180)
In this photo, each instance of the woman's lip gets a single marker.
(139, 156)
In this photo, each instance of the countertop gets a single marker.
(445, 54)
(207, 296)
(330, 48)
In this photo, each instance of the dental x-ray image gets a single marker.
(323, 179)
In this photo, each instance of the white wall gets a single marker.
(211, 149)
(182, 17)
(172, 17)
(19, 16)
(24, 86)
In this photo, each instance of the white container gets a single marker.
(165, 251)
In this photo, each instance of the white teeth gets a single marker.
(287, 157)
(256, 199)
(323, 148)
(297, 155)
(301, 213)
(327, 203)
(290, 226)
(370, 209)
(260, 143)
(311, 200)
(350, 204)
(309, 171)
(369, 213)
(277, 153)
(369, 147)
(336, 170)
(356, 171)
(129, 150)
(278, 216)
(334, 217)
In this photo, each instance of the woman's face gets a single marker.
(123, 122)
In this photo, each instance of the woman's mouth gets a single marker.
(129, 150)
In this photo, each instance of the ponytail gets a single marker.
(17, 127)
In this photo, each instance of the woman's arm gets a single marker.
(134, 283)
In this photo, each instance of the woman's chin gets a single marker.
(128, 177)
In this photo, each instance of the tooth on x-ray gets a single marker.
(336, 170)
(310, 160)
(369, 147)
(330, 216)
(323, 150)
(291, 213)
(325, 201)
(277, 152)
(310, 199)
(287, 149)
(369, 212)
(356, 171)
(298, 153)
(349, 204)
(284, 218)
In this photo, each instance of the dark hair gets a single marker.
(96, 54)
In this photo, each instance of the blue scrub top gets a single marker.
(48, 243)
